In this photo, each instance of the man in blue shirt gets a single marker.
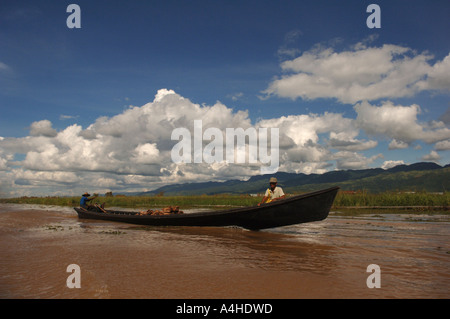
(84, 199)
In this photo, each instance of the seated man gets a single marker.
(273, 193)
(84, 199)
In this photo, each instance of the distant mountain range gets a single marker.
(423, 176)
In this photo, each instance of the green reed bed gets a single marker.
(398, 199)
(144, 201)
(343, 199)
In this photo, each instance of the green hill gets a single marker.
(428, 177)
(413, 181)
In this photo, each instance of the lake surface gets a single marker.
(326, 259)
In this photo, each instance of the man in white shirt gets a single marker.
(273, 193)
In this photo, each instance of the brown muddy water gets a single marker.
(326, 259)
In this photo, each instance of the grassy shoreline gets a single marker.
(361, 200)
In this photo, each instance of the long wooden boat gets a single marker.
(298, 209)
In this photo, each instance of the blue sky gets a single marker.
(274, 60)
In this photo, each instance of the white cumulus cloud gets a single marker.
(42, 128)
(132, 150)
(397, 122)
(360, 74)
(433, 156)
(390, 164)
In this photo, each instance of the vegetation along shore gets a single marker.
(344, 200)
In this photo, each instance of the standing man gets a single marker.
(273, 193)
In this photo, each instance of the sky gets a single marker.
(94, 108)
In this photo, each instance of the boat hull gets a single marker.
(304, 208)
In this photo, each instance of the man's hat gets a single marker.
(273, 180)
(86, 194)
